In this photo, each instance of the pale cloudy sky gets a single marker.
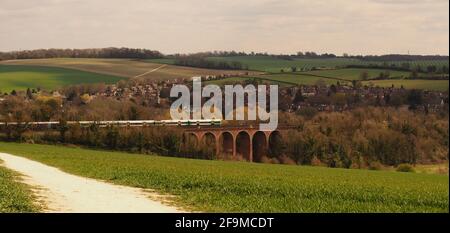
(282, 26)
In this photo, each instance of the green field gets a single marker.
(168, 61)
(355, 74)
(54, 73)
(436, 85)
(219, 186)
(126, 68)
(235, 80)
(290, 79)
(15, 197)
(283, 80)
(17, 77)
(300, 79)
(273, 64)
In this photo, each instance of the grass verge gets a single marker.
(15, 197)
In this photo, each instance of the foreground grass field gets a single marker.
(13, 77)
(14, 196)
(238, 186)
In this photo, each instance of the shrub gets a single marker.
(404, 167)
(265, 159)
(316, 162)
(286, 160)
(375, 166)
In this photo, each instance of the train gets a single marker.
(134, 123)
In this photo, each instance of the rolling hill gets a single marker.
(53, 73)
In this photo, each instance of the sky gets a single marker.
(187, 26)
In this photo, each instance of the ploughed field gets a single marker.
(249, 187)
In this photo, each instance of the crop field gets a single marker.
(436, 85)
(168, 61)
(235, 80)
(126, 68)
(355, 74)
(300, 79)
(283, 80)
(219, 186)
(290, 79)
(14, 196)
(422, 63)
(273, 64)
(18, 77)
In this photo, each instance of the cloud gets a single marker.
(354, 26)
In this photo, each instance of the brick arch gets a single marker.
(191, 138)
(209, 145)
(227, 145)
(243, 142)
(259, 146)
(275, 143)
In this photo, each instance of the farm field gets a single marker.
(300, 79)
(355, 74)
(219, 186)
(14, 196)
(288, 79)
(234, 80)
(18, 77)
(126, 68)
(273, 64)
(168, 61)
(436, 85)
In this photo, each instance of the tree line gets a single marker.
(203, 62)
(82, 53)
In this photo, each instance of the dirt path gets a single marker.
(63, 192)
(150, 71)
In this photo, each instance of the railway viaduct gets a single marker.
(229, 142)
(233, 142)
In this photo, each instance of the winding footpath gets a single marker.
(63, 192)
